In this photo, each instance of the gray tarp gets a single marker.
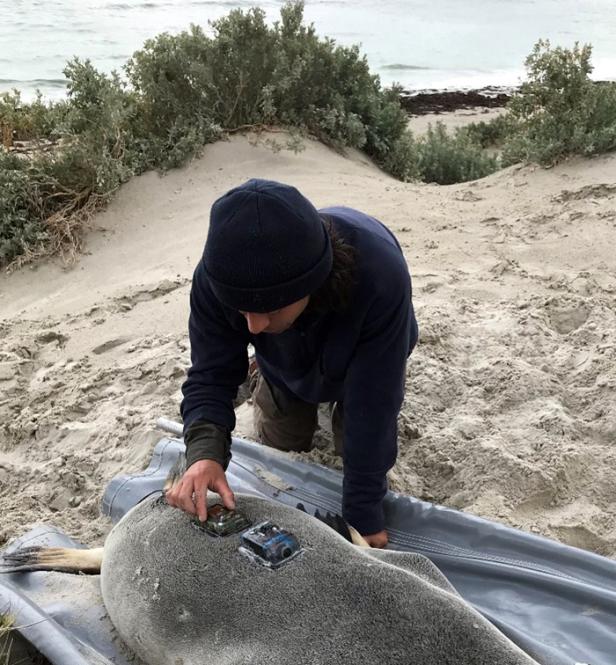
(556, 602)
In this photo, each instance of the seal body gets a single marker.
(178, 595)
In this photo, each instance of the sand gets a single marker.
(510, 410)
(419, 124)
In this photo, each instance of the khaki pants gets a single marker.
(288, 423)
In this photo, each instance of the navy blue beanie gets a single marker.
(266, 248)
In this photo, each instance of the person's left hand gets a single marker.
(378, 540)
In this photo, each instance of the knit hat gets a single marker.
(266, 248)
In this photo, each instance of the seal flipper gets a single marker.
(339, 525)
(67, 559)
(63, 559)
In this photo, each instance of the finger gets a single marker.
(228, 499)
(169, 496)
(378, 541)
(185, 498)
(200, 503)
(172, 496)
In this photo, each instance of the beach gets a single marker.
(509, 411)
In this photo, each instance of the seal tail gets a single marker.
(63, 559)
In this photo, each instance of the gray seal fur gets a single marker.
(179, 596)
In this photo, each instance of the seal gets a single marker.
(178, 594)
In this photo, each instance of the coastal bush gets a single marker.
(559, 110)
(46, 197)
(447, 159)
(401, 160)
(177, 94)
(489, 134)
(249, 75)
(99, 131)
(28, 121)
(19, 226)
(180, 92)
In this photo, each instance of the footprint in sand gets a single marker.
(52, 336)
(587, 192)
(567, 317)
(110, 344)
(162, 288)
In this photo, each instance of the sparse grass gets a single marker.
(7, 622)
(14, 649)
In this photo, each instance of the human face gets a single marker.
(277, 321)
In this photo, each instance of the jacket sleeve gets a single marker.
(207, 441)
(374, 391)
(219, 363)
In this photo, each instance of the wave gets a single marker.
(402, 67)
(223, 3)
(50, 83)
(122, 6)
(139, 5)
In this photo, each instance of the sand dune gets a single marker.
(510, 409)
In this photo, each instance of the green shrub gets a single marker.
(559, 111)
(99, 132)
(249, 74)
(175, 98)
(20, 227)
(490, 134)
(29, 121)
(447, 159)
(46, 197)
(401, 160)
(180, 93)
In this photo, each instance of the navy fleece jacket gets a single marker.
(357, 356)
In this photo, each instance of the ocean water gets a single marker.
(418, 43)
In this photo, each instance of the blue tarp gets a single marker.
(558, 603)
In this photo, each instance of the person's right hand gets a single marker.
(190, 493)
